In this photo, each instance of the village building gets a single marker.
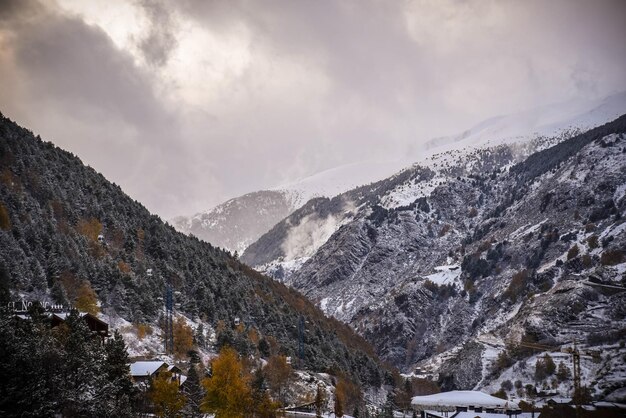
(452, 404)
(143, 371)
(96, 325)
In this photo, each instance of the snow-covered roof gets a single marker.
(145, 368)
(463, 398)
(472, 414)
(604, 404)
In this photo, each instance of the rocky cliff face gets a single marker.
(440, 266)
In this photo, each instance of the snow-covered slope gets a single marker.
(552, 120)
(427, 263)
(235, 224)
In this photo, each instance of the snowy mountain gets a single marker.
(551, 121)
(447, 265)
(237, 223)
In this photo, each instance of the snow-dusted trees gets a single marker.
(63, 370)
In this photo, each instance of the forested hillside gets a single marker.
(63, 226)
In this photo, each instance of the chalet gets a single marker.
(459, 401)
(96, 325)
(143, 371)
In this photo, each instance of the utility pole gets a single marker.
(169, 327)
(301, 341)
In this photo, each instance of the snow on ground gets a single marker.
(526, 229)
(335, 181)
(407, 193)
(472, 414)
(445, 274)
(312, 414)
(619, 193)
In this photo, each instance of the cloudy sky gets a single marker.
(186, 103)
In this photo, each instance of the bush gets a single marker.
(500, 394)
(545, 367)
(573, 252)
(592, 241)
(506, 385)
(517, 285)
(563, 372)
(612, 257)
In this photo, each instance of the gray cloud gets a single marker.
(280, 89)
(161, 38)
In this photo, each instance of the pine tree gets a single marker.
(199, 337)
(122, 392)
(389, 405)
(5, 285)
(83, 377)
(192, 389)
(563, 372)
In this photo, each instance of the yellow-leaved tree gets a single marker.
(86, 299)
(279, 374)
(228, 392)
(166, 396)
(5, 219)
(90, 228)
(183, 337)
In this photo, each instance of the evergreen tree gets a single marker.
(389, 405)
(192, 389)
(122, 392)
(263, 405)
(30, 368)
(199, 338)
(5, 285)
(83, 378)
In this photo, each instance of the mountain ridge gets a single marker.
(425, 279)
(561, 120)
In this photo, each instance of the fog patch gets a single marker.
(304, 239)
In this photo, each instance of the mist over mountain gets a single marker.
(445, 264)
(240, 221)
